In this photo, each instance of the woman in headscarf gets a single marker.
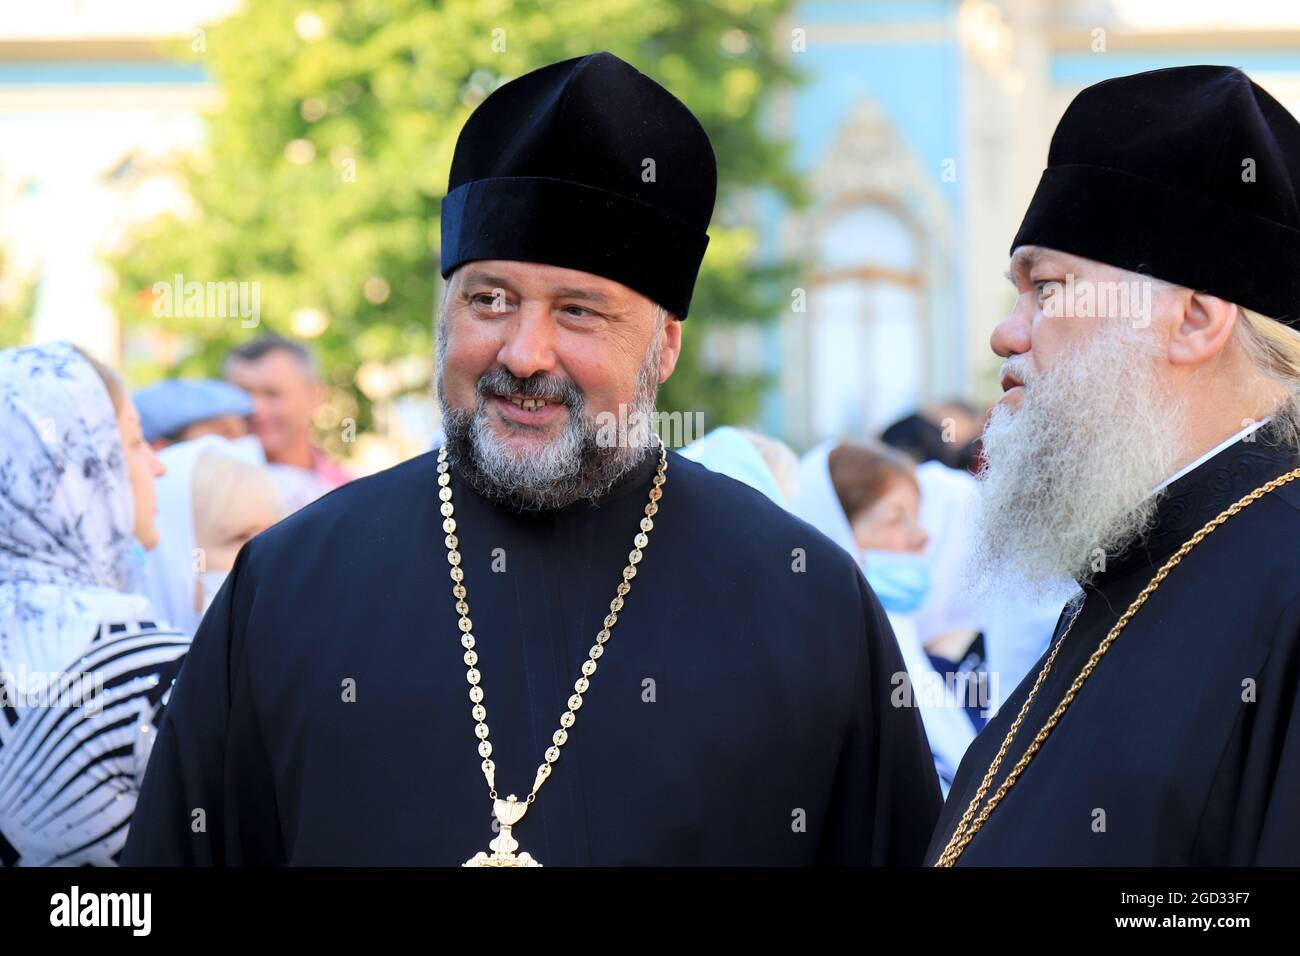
(84, 665)
(763, 463)
(866, 499)
(1014, 629)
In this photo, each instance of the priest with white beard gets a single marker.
(1146, 445)
(548, 642)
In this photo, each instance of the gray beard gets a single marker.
(578, 465)
(1068, 476)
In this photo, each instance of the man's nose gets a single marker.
(1012, 336)
(529, 347)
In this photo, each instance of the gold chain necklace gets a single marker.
(968, 827)
(510, 811)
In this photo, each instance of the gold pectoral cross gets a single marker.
(508, 812)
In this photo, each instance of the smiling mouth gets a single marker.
(527, 404)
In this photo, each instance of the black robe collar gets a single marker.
(1191, 501)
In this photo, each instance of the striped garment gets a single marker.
(72, 756)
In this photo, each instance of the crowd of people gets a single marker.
(901, 504)
(855, 657)
(120, 516)
(209, 464)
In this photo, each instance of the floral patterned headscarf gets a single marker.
(66, 512)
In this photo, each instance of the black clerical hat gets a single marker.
(587, 164)
(1187, 174)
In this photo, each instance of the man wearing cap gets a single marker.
(1147, 447)
(180, 410)
(550, 641)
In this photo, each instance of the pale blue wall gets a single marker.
(100, 73)
(1084, 69)
(916, 83)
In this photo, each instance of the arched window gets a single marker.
(865, 321)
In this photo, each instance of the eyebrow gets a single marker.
(564, 292)
(482, 278)
(1022, 262)
(578, 292)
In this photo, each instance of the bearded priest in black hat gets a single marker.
(1146, 446)
(550, 641)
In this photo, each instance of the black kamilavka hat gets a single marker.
(590, 165)
(1187, 174)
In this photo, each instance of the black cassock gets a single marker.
(739, 715)
(1183, 746)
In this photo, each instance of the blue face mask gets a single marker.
(900, 580)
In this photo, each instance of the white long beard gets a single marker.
(1068, 475)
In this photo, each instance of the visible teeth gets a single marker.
(528, 404)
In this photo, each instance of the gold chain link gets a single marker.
(967, 828)
(567, 719)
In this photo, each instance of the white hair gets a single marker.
(1068, 475)
(1273, 349)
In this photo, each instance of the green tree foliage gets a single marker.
(17, 302)
(325, 165)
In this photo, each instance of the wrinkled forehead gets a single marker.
(542, 280)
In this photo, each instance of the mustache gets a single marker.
(1018, 367)
(550, 388)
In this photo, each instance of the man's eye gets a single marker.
(489, 304)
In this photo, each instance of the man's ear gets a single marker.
(1201, 328)
(672, 348)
